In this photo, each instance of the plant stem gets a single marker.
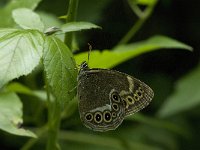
(41, 132)
(71, 16)
(136, 27)
(53, 127)
(54, 117)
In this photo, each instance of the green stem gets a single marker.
(53, 127)
(41, 132)
(71, 16)
(135, 8)
(54, 118)
(136, 27)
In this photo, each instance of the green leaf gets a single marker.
(159, 123)
(60, 69)
(20, 53)
(49, 20)
(22, 89)
(106, 142)
(6, 12)
(27, 19)
(6, 31)
(124, 52)
(185, 97)
(78, 26)
(19, 88)
(11, 115)
(145, 2)
(31, 4)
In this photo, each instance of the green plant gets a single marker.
(25, 49)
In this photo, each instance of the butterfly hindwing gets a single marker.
(100, 105)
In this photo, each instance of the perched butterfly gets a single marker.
(106, 97)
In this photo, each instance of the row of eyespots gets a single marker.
(98, 117)
(138, 94)
(136, 97)
(106, 116)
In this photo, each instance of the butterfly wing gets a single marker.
(137, 97)
(107, 96)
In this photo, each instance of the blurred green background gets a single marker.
(171, 121)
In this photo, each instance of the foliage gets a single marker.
(11, 114)
(44, 70)
(181, 99)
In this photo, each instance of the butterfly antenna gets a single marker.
(90, 49)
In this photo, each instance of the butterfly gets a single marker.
(106, 97)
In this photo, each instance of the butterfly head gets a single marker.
(84, 66)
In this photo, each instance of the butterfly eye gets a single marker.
(88, 117)
(115, 97)
(115, 106)
(107, 116)
(84, 65)
(98, 117)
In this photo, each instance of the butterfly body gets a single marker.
(107, 96)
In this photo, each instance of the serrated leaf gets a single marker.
(20, 53)
(6, 12)
(185, 97)
(78, 26)
(27, 19)
(60, 69)
(50, 20)
(11, 115)
(124, 52)
(6, 31)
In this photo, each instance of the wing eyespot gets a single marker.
(130, 100)
(115, 97)
(98, 118)
(89, 116)
(107, 116)
(115, 107)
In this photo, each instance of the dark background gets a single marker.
(178, 19)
